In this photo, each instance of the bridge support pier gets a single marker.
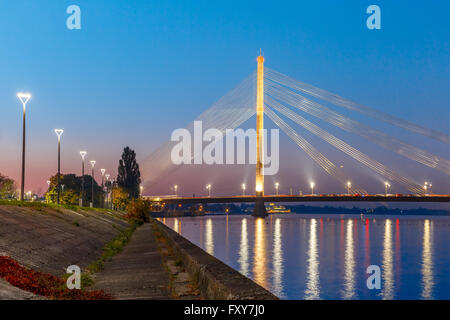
(260, 209)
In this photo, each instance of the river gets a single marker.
(299, 256)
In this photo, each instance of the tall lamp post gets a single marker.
(349, 185)
(107, 190)
(92, 197)
(277, 185)
(208, 187)
(386, 186)
(103, 183)
(175, 188)
(243, 189)
(48, 189)
(83, 156)
(23, 97)
(312, 184)
(59, 132)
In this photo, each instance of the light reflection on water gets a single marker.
(313, 289)
(325, 257)
(387, 292)
(427, 261)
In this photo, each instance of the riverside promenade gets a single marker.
(155, 264)
(137, 272)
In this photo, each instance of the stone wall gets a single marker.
(215, 279)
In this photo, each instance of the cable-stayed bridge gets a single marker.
(280, 98)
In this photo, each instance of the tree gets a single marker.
(7, 187)
(120, 198)
(129, 176)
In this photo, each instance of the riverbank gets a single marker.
(118, 260)
(44, 240)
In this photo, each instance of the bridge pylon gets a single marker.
(260, 209)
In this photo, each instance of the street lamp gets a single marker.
(386, 186)
(277, 186)
(59, 132)
(107, 189)
(175, 188)
(103, 175)
(427, 186)
(208, 187)
(92, 197)
(23, 97)
(103, 183)
(349, 185)
(48, 189)
(83, 156)
(312, 184)
(243, 189)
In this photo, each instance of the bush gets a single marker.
(138, 211)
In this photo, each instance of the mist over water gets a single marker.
(326, 257)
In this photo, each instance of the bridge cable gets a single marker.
(354, 106)
(391, 143)
(328, 166)
(346, 148)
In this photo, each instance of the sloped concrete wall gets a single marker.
(50, 240)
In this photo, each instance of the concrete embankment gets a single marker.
(215, 279)
(51, 239)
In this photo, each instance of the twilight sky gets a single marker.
(137, 70)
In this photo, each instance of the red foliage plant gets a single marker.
(43, 284)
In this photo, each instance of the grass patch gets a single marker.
(40, 205)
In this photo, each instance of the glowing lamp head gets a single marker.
(24, 97)
(349, 184)
(277, 184)
(59, 132)
(312, 184)
(107, 176)
(259, 188)
(175, 187)
(92, 163)
(83, 154)
(103, 171)
(243, 186)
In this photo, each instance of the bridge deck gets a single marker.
(306, 198)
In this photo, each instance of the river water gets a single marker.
(298, 256)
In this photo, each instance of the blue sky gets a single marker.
(139, 69)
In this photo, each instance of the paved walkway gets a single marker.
(137, 272)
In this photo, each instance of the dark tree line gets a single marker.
(71, 192)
